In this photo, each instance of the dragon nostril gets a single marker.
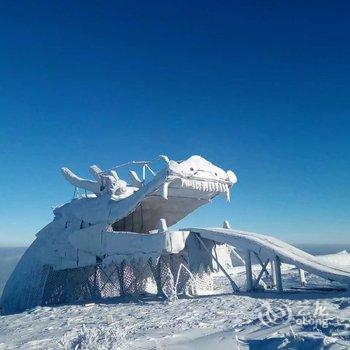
(191, 169)
(215, 174)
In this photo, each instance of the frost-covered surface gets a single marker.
(107, 225)
(223, 321)
(267, 247)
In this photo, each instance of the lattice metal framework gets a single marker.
(169, 276)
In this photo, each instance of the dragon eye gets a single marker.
(191, 169)
(216, 174)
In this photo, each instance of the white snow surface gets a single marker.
(223, 321)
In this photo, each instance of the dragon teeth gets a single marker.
(227, 195)
(205, 186)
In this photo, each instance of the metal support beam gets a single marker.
(263, 269)
(96, 291)
(120, 273)
(237, 255)
(278, 273)
(109, 277)
(302, 278)
(263, 265)
(233, 283)
(243, 262)
(273, 273)
(248, 270)
(156, 270)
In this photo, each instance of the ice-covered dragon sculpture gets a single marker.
(172, 194)
(115, 241)
(117, 223)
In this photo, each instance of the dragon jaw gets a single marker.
(197, 177)
(177, 191)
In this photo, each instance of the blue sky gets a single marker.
(261, 88)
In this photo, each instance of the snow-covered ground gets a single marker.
(311, 319)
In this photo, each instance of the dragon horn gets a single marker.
(77, 181)
(95, 172)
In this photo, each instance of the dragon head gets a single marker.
(173, 193)
(197, 178)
